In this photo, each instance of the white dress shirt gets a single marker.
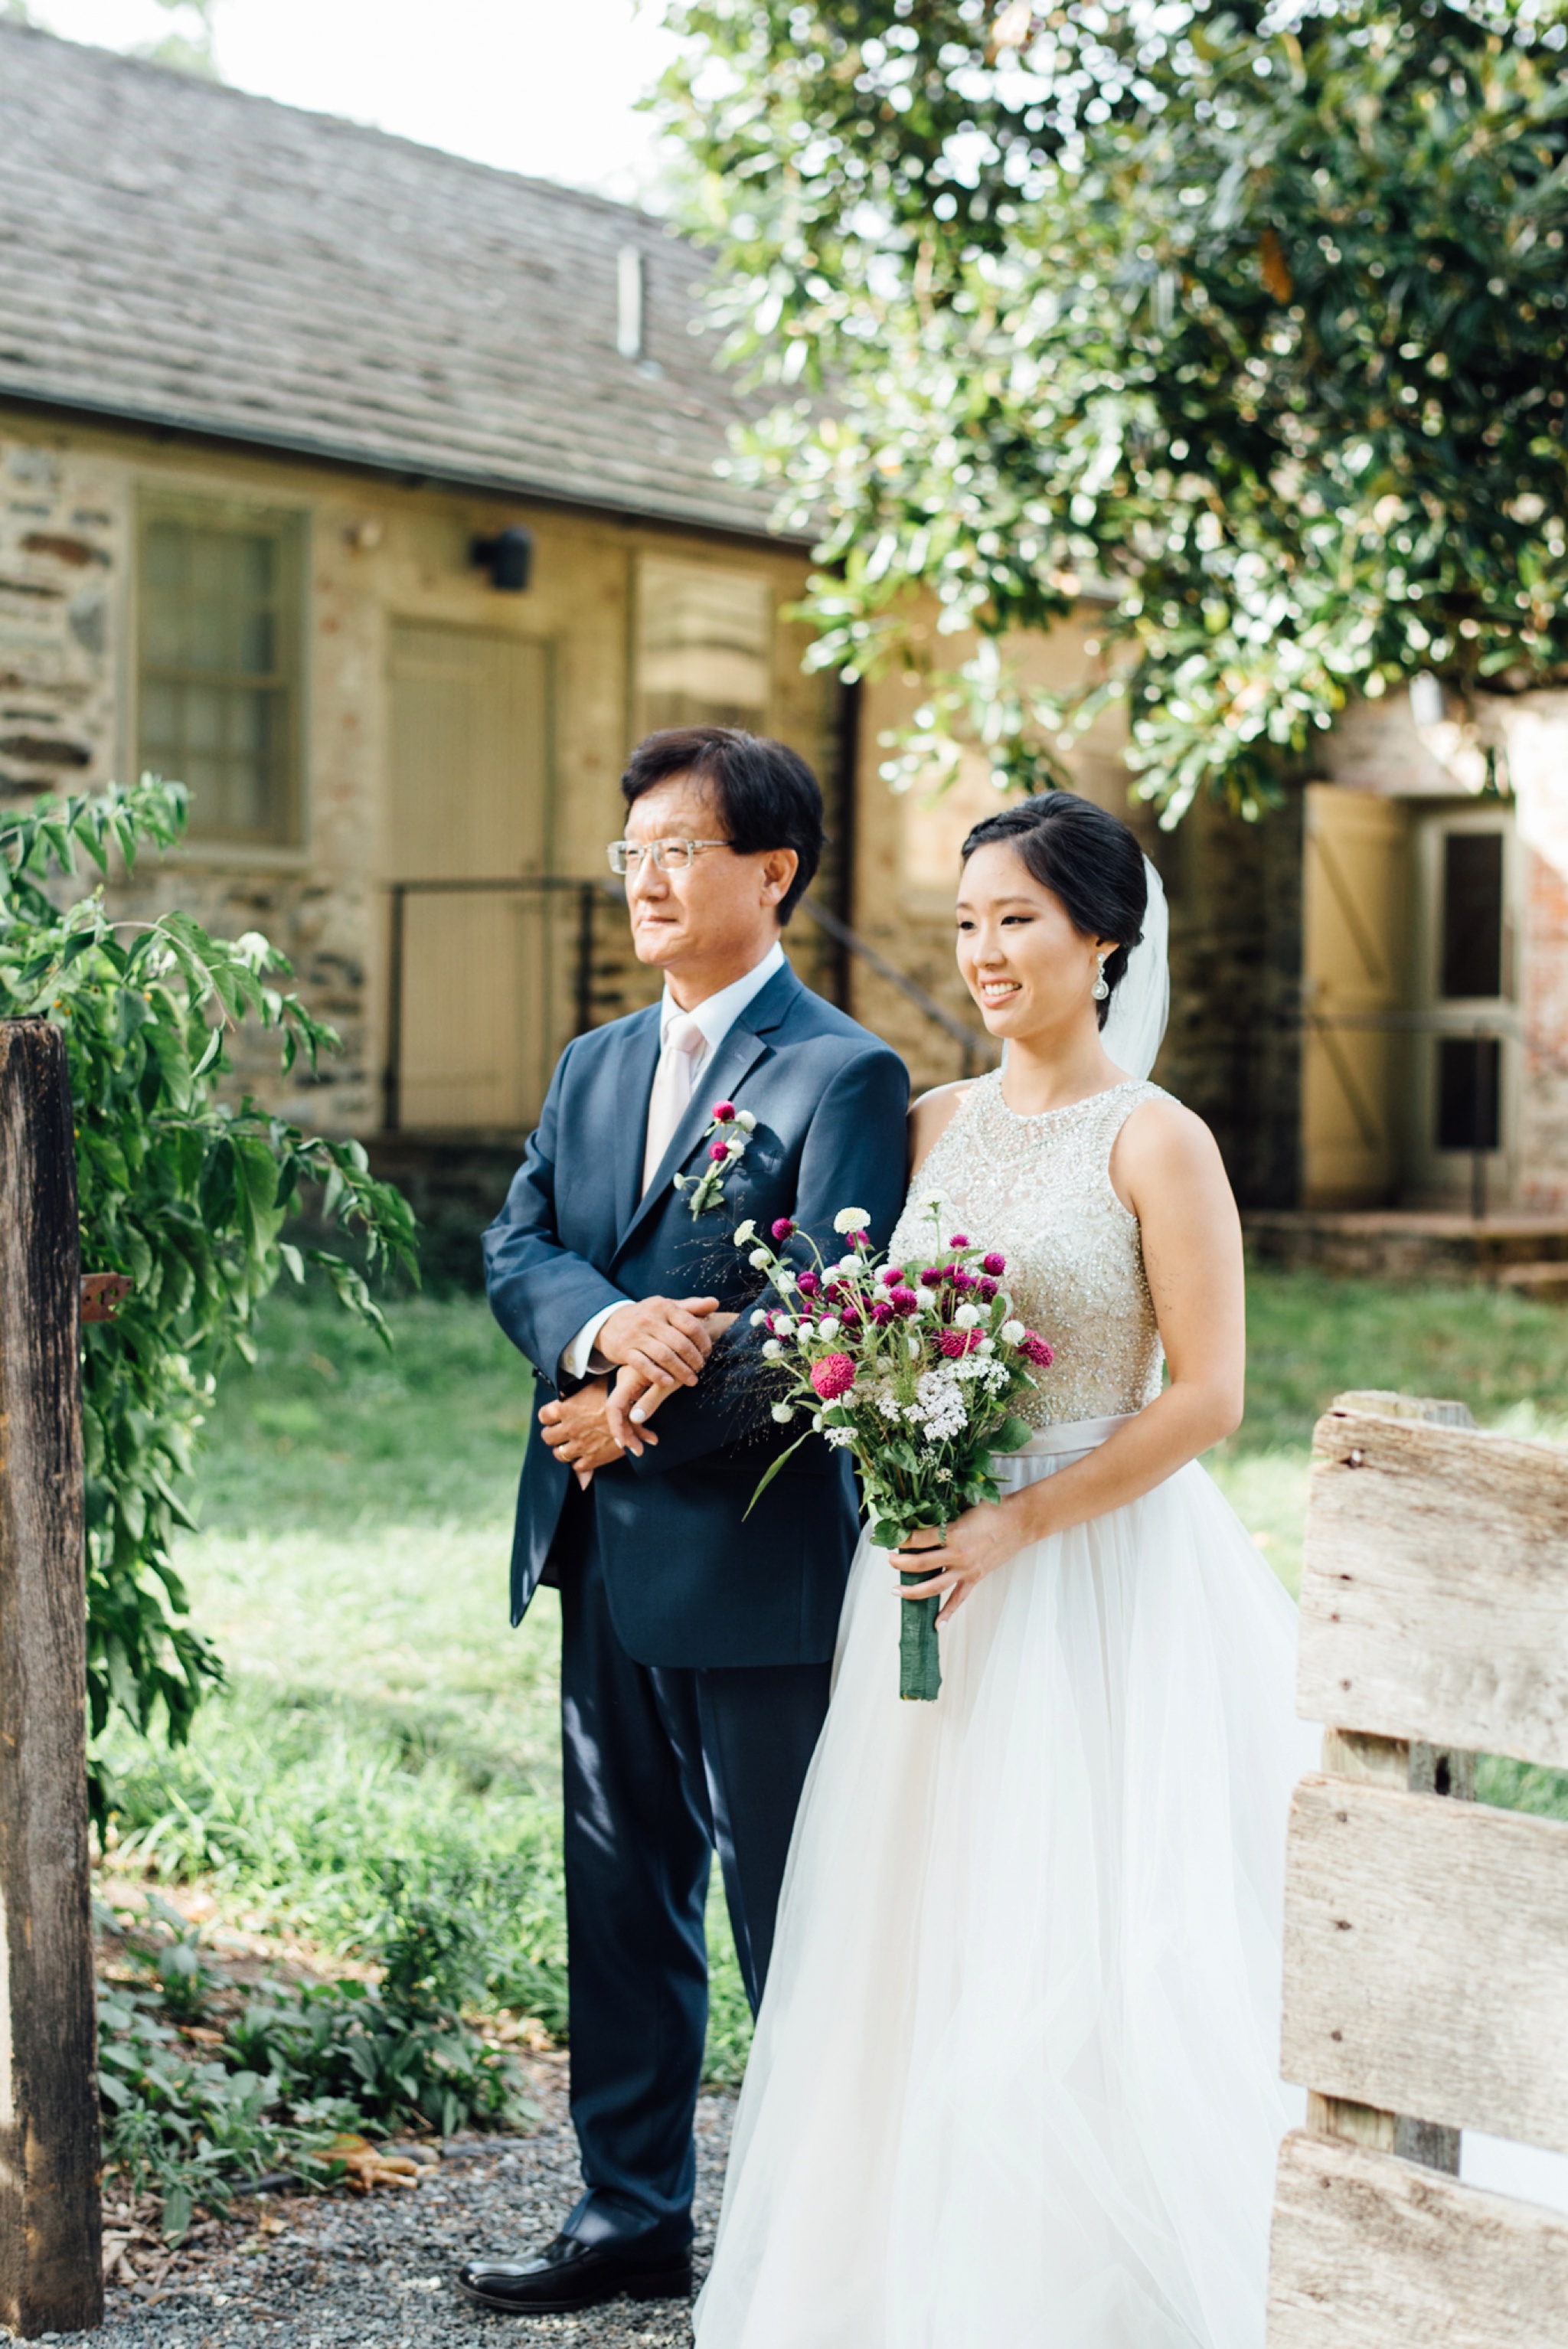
(716, 1016)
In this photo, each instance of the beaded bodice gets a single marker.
(1039, 1190)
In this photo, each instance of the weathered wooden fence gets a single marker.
(50, 2223)
(1426, 1975)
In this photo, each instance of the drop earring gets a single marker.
(1099, 990)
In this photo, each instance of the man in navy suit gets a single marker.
(696, 1641)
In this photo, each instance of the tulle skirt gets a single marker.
(1015, 2079)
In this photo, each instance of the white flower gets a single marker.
(1012, 1331)
(737, 1145)
(849, 1268)
(828, 1326)
(746, 1122)
(759, 1259)
(771, 1351)
(783, 1412)
(782, 1324)
(817, 1420)
(840, 1438)
(969, 1316)
(986, 1346)
(745, 1233)
(759, 1319)
(783, 1279)
(850, 1219)
(914, 1345)
(805, 1332)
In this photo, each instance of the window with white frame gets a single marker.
(219, 602)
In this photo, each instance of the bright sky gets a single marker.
(547, 87)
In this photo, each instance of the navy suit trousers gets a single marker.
(663, 1765)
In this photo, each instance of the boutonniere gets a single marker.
(726, 1139)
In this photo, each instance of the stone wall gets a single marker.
(63, 541)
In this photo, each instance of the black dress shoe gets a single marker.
(568, 2274)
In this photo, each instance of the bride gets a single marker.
(1016, 2074)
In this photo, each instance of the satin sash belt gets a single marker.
(1069, 1436)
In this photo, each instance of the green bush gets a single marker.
(274, 2086)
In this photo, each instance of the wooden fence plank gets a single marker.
(1434, 1601)
(49, 2221)
(1426, 1959)
(1370, 2252)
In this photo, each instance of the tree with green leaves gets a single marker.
(184, 1192)
(1251, 321)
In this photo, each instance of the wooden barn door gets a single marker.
(468, 801)
(1354, 954)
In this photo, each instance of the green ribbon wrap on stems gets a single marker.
(919, 1662)
(919, 1658)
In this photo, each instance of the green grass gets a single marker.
(352, 1567)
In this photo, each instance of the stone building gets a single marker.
(373, 494)
(380, 497)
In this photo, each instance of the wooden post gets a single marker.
(50, 2271)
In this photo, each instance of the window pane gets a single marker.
(705, 646)
(1472, 914)
(218, 600)
(1469, 1074)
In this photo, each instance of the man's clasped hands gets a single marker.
(654, 1345)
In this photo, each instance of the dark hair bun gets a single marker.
(1086, 857)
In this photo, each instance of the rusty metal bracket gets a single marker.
(103, 1294)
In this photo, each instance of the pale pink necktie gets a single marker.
(673, 1082)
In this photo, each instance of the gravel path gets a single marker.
(341, 2273)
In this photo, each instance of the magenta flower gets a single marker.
(903, 1301)
(952, 1342)
(850, 1313)
(931, 1277)
(724, 1113)
(985, 1289)
(834, 1375)
(892, 1276)
(1036, 1349)
(809, 1285)
(995, 1264)
(964, 1280)
(959, 1239)
(881, 1314)
(718, 1152)
(783, 1229)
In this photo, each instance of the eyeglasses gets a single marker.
(669, 855)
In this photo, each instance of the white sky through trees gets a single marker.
(546, 87)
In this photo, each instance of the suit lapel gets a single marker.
(634, 1086)
(737, 1056)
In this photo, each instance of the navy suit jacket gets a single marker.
(689, 1582)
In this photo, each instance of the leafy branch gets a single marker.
(1247, 324)
(183, 1191)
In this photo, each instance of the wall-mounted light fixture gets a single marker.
(507, 557)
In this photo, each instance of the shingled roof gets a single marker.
(175, 252)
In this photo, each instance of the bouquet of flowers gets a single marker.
(913, 1368)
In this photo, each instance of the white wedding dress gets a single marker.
(1016, 2077)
